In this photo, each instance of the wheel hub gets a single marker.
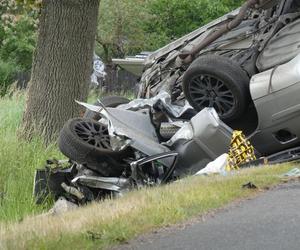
(95, 134)
(208, 91)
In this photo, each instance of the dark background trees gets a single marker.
(17, 40)
(173, 19)
(125, 27)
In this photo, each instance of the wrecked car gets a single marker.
(233, 65)
(241, 71)
(123, 151)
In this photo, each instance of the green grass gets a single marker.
(18, 160)
(102, 225)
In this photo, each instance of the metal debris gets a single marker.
(249, 185)
(295, 172)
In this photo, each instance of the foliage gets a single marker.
(132, 26)
(125, 27)
(17, 40)
(172, 19)
(120, 28)
(7, 72)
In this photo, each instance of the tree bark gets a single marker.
(62, 66)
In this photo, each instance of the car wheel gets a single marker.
(218, 82)
(108, 101)
(87, 141)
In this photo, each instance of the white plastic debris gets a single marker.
(98, 70)
(295, 172)
(61, 206)
(218, 166)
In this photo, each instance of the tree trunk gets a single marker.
(62, 66)
(110, 79)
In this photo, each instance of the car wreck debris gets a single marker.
(188, 57)
(99, 74)
(295, 172)
(241, 151)
(249, 185)
(218, 166)
(61, 206)
(95, 172)
(237, 73)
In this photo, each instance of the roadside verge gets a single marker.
(116, 221)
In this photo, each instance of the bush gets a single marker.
(17, 40)
(8, 71)
(171, 19)
(125, 27)
(132, 26)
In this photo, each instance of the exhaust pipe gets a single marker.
(188, 56)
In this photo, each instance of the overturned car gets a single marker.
(241, 71)
(242, 64)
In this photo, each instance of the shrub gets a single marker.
(171, 19)
(8, 71)
(17, 40)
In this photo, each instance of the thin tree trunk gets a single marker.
(110, 79)
(62, 65)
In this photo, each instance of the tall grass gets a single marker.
(99, 226)
(18, 161)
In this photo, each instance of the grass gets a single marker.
(99, 226)
(18, 160)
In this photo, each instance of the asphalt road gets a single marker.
(269, 221)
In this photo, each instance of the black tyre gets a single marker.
(219, 82)
(108, 101)
(87, 142)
